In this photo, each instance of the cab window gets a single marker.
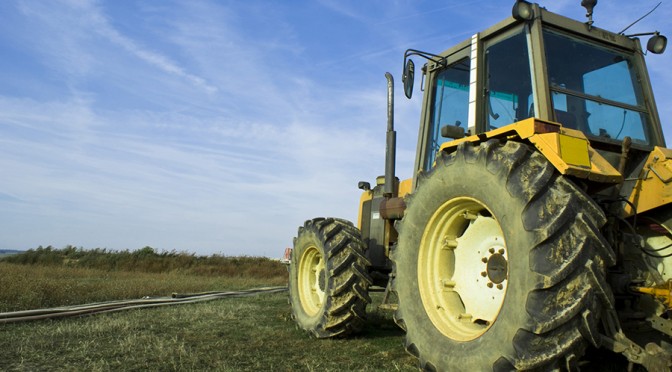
(450, 104)
(595, 89)
(508, 95)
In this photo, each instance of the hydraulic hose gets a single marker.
(113, 306)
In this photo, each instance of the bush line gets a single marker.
(149, 260)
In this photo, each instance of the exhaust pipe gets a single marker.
(392, 207)
(391, 146)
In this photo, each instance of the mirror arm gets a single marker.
(643, 34)
(426, 55)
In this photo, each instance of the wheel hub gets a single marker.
(321, 280)
(497, 268)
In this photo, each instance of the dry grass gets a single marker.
(31, 286)
(149, 260)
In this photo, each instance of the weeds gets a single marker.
(46, 277)
(148, 260)
(32, 287)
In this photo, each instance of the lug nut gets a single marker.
(484, 260)
(491, 250)
(490, 285)
(499, 286)
(469, 216)
(449, 242)
(484, 274)
(448, 284)
(501, 251)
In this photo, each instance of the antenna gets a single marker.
(642, 17)
(589, 5)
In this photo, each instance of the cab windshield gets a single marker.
(595, 89)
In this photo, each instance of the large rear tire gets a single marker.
(500, 263)
(328, 279)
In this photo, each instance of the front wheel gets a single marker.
(498, 263)
(328, 279)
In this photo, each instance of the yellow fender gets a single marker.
(567, 149)
(653, 187)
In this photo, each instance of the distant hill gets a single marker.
(9, 251)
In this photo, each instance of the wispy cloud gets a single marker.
(74, 36)
(154, 59)
(207, 126)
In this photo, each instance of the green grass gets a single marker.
(234, 334)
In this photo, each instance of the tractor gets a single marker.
(537, 227)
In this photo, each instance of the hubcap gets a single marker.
(311, 280)
(463, 269)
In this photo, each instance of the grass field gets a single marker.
(232, 334)
(236, 334)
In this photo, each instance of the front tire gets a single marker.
(500, 264)
(328, 279)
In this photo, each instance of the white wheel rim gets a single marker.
(463, 269)
(311, 280)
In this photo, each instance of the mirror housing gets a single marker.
(657, 44)
(408, 77)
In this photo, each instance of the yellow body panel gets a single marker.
(405, 187)
(568, 150)
(574, 150)
(366, 196)
(653, 187)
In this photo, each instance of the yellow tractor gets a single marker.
(538, 222)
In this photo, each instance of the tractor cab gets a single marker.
(541, 65)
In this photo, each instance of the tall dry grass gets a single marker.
(47, 277)
(149, 260)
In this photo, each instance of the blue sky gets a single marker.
(219, 126)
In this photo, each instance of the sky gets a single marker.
(219, 127)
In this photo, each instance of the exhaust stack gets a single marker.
(391, 146)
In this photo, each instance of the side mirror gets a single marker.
(657, 44)
(408, 77)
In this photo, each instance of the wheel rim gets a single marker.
(463, 269)
(311, 280)
(657, 241)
